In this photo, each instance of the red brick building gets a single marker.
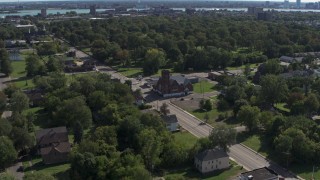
(169, 86)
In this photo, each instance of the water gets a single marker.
(86, 11)
(246, 9)
(49, 11)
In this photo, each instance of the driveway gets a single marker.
(14, 171)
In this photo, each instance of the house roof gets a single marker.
(62, 147)
(51, 135)
(211, 154)
(170, 118)
(180, 79)
(261, 174)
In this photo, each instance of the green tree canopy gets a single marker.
(8, 153)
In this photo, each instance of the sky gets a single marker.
(152, 0)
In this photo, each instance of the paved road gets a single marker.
(14, 171)
(244, 156)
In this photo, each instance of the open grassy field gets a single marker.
(130, 72)
(203, 87)
(242, 67)
(185, 139)
(18, 74)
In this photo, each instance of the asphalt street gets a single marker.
(244, 156)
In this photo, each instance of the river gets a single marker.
(86, 11)
(49, 11)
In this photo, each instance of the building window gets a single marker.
(208, 162)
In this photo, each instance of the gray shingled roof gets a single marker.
(170, 118)
(260, 174)
(50, 135)
(180, 79)
(62, 147)
(211, 154)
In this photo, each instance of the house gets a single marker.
(35, 96)
(139, 100)
(261, 174)
(291, 59)
(169, 86)
(171, 122)
(211, 160)
(214, 75)
(53, 145)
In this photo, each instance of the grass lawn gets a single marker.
(191, 173)
(87, 50)
(213, 117)
(203, 87)
(242, 67)
(19, 75)
(56, 170)
(185, 139)
(256, 143)
(18, 68)
(130, 72)
(282, 107)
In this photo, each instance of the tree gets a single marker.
(223, 137)
(21, 138)
(273, 89)
(272, 66)
(19, 102)
(205, 105)
(311, 103)
(5, 65)
(55, 64)
(7, 152)
(150, 147)
(109, 115)
(283, 145)
(154, 59)
(77, 132)
(3, 101)
(234, 93)
(73, 110)
(247, 70)
(5, 127)
(238, 104)
(123, 56)
(164, 109)
(249, 116)
(35, 66)
(97, 100)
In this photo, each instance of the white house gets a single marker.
(290, 59)
(211, 160)
(171, 122)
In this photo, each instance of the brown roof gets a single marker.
(62, 147)
(52, 135)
